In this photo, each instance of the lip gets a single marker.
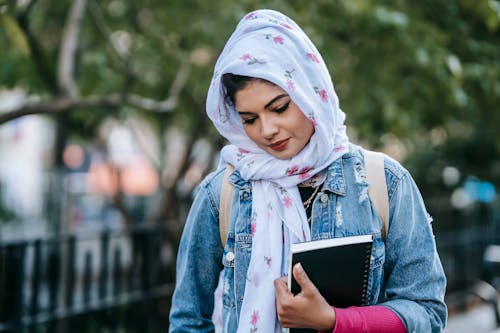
(279, 145)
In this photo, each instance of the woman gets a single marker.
(296, 178)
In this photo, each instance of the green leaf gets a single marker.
(15, 34)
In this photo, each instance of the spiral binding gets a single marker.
(368, 250)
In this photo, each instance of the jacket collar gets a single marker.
(335, 180)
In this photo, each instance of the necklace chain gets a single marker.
(308, 202)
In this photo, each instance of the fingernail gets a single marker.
(298, 267)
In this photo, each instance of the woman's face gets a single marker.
(272, 120)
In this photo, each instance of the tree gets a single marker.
(417, 79)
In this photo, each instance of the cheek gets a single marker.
(306, 128)
(309, 132)
(251, 132)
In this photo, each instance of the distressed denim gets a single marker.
(405, 275)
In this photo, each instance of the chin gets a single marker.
(282, 155)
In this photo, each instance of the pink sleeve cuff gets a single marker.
(367, 319)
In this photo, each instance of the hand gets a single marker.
(307, 309)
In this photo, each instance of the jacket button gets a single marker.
(230, 256)
(324, 198)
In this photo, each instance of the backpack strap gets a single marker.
(226, 198)
(377, 187)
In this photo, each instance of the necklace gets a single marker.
(315, 180)
(308, 202)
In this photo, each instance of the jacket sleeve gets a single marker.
(199, 262)
(415, 280)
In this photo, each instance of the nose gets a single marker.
(269, 128)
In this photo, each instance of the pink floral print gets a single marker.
(322, 93)
(312, 119)
(292, 170)
(241, 153)
(277, 39)
(289, 82)
(245, 57)
(250, 60)
(254, 319)
(253, 224)
(338, 149)
(251, 16)
(304, 172)
(253, 227)
(312, 57)
(287, 201)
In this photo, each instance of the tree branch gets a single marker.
(57, 105)
(67, 50)
(64, 104)
(170, 102)
(68, 102)
(179, 82)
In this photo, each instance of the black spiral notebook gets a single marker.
(338, 267)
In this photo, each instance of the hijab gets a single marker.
(267, 44)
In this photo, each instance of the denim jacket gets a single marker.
(405, 274)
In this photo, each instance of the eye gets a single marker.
(249, 121)
(283, 108)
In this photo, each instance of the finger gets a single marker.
(281, 286)
(302, 279)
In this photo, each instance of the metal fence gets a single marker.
(461, 253)
(472, 274)
(102, 281)
(122, 280)
(462, 238)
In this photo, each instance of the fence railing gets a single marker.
(471, 278)
(122, 280)
(461, 253)
(104, 281)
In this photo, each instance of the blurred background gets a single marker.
(103, 137)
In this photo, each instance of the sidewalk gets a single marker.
(481, 319)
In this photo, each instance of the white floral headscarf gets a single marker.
(269, 45)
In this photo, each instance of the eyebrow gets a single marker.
(274, 100)
(271, 102)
